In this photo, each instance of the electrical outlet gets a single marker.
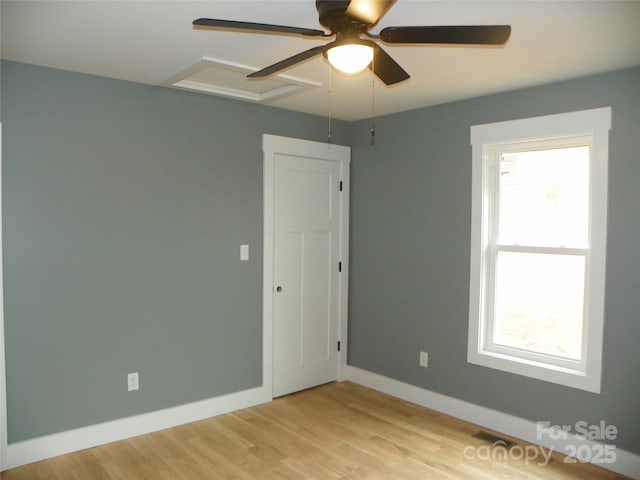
(133, 382)
(424, 359)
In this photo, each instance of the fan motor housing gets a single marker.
(332, 15)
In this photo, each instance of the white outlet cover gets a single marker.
(424, 359)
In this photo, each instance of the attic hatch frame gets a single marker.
(233, 82)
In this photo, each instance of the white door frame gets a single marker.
(3, 384)
(271, 146)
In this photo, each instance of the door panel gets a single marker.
(290, 312)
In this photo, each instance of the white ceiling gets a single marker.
(152, 41)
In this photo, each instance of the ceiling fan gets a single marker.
(353, 48)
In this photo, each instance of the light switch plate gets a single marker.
(133, 382)
(244, 252)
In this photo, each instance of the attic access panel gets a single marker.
(217, 77)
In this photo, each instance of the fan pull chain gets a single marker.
(329, 107)
(373, 102)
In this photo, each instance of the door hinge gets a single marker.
(340, 185)
(338, 345)
(339, 266)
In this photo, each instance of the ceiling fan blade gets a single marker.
(287, 62)
(258, 27)
(368, 12)
(460, 34)
(386, 68)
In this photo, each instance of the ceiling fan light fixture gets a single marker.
(351, 20)
(350, 58)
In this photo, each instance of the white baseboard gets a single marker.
(626, 463)
(49, 446)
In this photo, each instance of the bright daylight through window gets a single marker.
(538, 246)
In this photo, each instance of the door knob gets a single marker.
(278, 289)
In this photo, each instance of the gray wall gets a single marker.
(124, 209)
(125, 205)
(410, 233)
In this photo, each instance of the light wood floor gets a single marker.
(339, 431)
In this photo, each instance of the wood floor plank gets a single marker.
(339, 431)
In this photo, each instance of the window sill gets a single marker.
(574, 378)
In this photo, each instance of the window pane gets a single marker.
(539, 303)
(544, 197)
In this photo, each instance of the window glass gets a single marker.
(539, 303)
(544, 197)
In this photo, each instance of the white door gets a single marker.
(307, 266)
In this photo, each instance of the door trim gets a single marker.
(271, 146)
(3, 380)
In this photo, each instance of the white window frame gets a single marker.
(487, 141)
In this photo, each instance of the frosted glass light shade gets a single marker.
(350, 58)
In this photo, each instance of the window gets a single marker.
(538, 237)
